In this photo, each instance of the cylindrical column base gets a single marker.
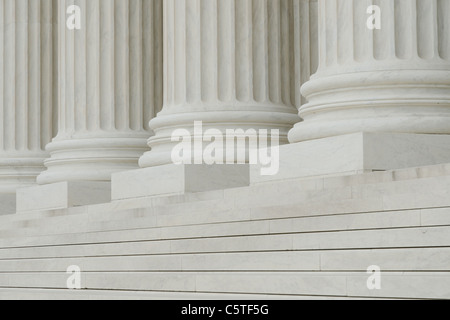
(389, 80)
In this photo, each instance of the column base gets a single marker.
(7, 204)
(357, 153)
(178, 179)
(62, 195)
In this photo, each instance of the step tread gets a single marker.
(353, 239)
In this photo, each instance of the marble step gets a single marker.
(360, 221)
(411, 259)
(432, 285)
(113, 210)
(359, 239)
(211, 212)
(272, 194)
(64, 294)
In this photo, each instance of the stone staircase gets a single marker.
(302, 238)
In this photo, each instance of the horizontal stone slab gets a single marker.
(357, 153)
(403, 259)
(62, 195)
(178, 179)
(64, 294)
(431, 285)
(361, 239)
(145, 229)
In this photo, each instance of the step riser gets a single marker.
(391, 196)
(366, 239)
(84, 225)
(393, 285)
(62, 294)
(377, 220)
(429, 259)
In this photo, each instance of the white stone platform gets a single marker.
(357, 153)
(178, 179)
(300, 238)
(62, 195)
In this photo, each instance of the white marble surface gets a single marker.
(62, 195)
(357, 153)
(56, 294)
(380, 100)
(297, 237)
(178, 179)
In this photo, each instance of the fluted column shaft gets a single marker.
(395, 79)
(231, 64)
(26, 89)
(110, 89)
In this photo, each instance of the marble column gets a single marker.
(390, 80)
(109, 89)
(27, 92)
(233, 64)
(380, 99)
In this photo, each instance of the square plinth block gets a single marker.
(178, 179)
(357, 153)
(63, 195)
(7, 204)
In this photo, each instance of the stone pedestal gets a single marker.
(178, 179)
(62, 195)
(357, 153)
